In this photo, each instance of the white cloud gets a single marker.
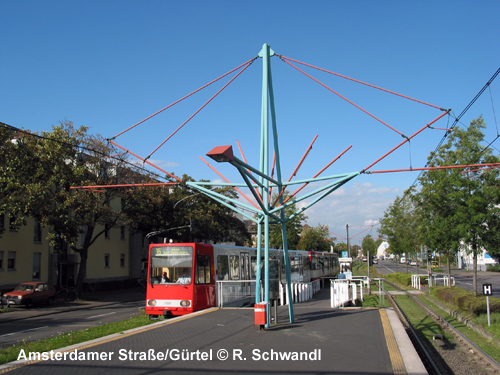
(358, 205)
(163, 163)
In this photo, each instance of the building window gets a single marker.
(106, 231)
(37, 260)
(106, 260)
(2, 221)
(11, 261)
(122, 260)
(37, 235)
(1, 260)
(122, 232)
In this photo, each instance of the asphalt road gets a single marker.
(49, 322)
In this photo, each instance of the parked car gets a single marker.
(375, 261)
(30, 293)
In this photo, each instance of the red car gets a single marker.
(30, 293)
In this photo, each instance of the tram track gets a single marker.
(433, 361)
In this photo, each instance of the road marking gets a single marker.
(27, 330)
(97, 316)
(383, 265)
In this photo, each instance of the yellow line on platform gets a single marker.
(398, 365)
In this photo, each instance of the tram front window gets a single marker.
(171, 265)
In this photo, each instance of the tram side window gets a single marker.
(314, 263)
(307, 263)
(253, 267)
(235, 267)
(202, 275)
(222, 267)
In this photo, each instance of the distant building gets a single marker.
(466, 261)
(382, 250)
(25, 255)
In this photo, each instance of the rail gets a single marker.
(491, 362)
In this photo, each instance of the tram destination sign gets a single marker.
(171, 250)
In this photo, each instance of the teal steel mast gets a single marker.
(260, 184)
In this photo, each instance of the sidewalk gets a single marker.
(89, 301)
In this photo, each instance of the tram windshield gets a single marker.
(171, 265)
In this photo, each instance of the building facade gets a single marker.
(26, 255)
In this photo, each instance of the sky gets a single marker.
(109, 65)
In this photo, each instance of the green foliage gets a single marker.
(461, 205)
(465, 301)
(315, 239)
(493, 268)
(339, 247)
(10, 354)
(369, 246)
(38, 173)
(403, 279)
(400, 225)
(293, 227)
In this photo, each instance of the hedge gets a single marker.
(464, 300)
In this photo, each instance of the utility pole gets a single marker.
(348, 244)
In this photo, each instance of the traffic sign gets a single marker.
(487, 290)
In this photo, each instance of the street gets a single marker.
(49, 322)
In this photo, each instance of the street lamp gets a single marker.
(222, 154)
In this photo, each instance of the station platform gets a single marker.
(321, 340)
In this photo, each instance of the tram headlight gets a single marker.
(151, 302)
(185, 303)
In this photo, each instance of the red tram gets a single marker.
(182, 277)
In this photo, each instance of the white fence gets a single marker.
(242, 293)
(416, 281)
(344, 291)
(300, 292)
(434, 280)
(444, 278)
(235, 293)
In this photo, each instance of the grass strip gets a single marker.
(483, 343)
(67, 339)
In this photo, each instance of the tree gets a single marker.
(293, 227)
(461, 207)
(181, 214)
(38, 172)
(340, 247)
(369, 246)
(400, 225)
(315, 239)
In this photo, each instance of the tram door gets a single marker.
(245, 272)
(245, 266)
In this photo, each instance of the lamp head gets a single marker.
(222, 154)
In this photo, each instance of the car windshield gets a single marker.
(24, 288)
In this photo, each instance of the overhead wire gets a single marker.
(81, 148)
(457, 120)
